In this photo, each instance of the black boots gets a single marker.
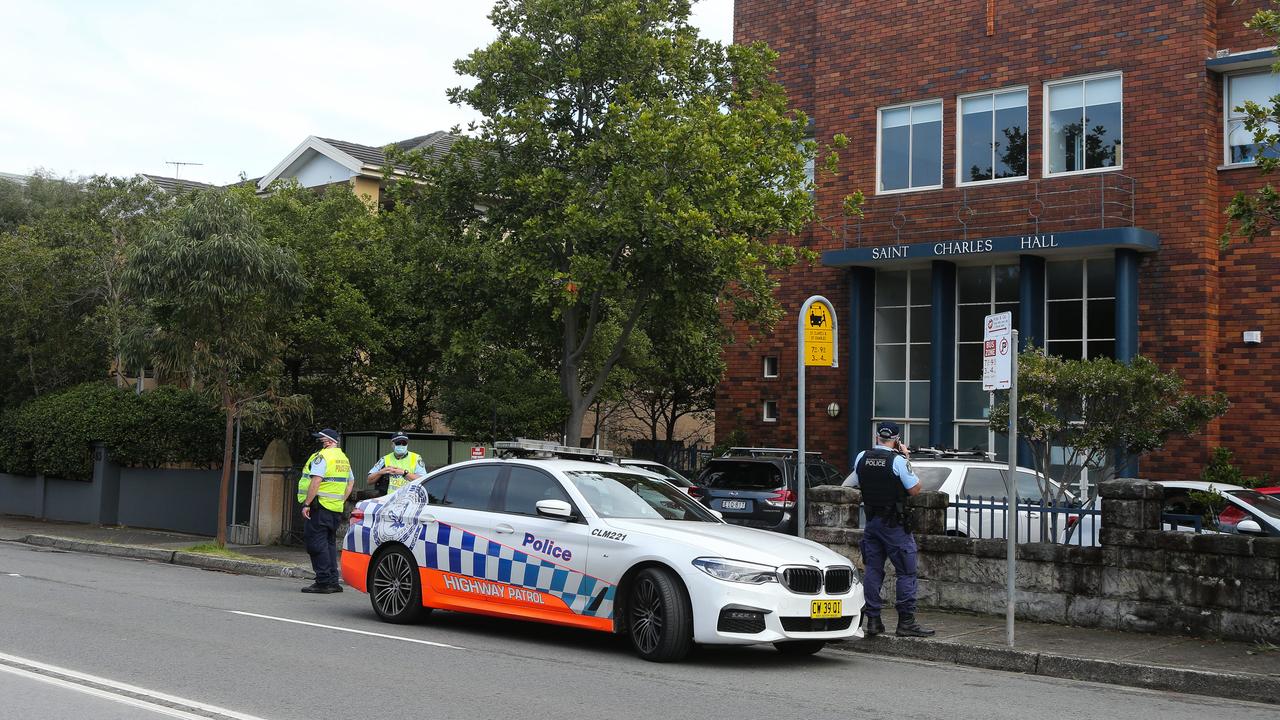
(908, 627)
(875, 626)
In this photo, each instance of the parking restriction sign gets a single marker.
(997, 351)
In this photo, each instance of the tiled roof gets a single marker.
(438, 141)
(14, 178)
(175, 185)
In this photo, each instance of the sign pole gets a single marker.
(816, 335)
(1012, 512)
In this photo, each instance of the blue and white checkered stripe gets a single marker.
(450, 549)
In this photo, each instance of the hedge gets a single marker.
(52, 434)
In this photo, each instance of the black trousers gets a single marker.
(320, 534)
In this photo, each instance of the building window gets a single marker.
(771, 411)
(1259, 87)
(1084, 125)
(992, 136)
(1080, 308)
(911, 147)
(904, 302)
(771, 366)
(980, 291)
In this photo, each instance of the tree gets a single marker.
(214, 287)
(1088, 409)
(623, 166)
(1252, 215)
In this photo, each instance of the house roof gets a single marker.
(359, 158)
(175, 186)
(14, 178)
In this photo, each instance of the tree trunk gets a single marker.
(227, 463)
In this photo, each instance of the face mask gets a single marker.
(401, 450)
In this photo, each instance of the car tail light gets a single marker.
(356, 516)
(1072, 520)
(697, 492)
(783, 498)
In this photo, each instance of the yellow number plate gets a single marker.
(826, 608)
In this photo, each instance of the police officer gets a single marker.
(323, 489)
(397, 467)
(886, 479)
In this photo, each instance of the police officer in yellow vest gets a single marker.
(396, 467)
(323, 489)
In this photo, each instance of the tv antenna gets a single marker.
(177, 166)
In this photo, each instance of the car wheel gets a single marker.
(659, 619)
(394, 587)
(800, 647)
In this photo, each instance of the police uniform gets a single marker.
(411, 463)
(320, 530)
(884, 476)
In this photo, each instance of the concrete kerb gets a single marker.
(1237, 686)
(173, 557)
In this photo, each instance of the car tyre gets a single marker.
(395, 590)
(800, 647)
(660, 622)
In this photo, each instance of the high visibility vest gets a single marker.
(333, 486)
(406, 463)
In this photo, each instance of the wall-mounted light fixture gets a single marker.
(1253, 337)
(833, 409)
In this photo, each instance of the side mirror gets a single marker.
(1249, 527)
(557, 509)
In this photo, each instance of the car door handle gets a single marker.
(505, 529)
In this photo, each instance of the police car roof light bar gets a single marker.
(525, 448)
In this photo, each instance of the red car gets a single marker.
(1230, 515)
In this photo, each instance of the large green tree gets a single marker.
(1258, 213)
(214, 287)
(623, 166)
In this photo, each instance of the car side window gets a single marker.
(526, 486)
(985, 482)
(1029, 488)
(472, 487)
(436, 487)
(932, 478)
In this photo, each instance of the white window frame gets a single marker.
(960, 181)
(1226, 114)
(770, 404)
(941, 146)
(1044, 125)
(773, 374)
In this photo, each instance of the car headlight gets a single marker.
(737, 570)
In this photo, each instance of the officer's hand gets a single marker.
(306, 511)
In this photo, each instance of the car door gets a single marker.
(982, 503)
(550, 560)
(456, 554)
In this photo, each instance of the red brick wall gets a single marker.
(842, 61)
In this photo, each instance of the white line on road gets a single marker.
(349, 630)
(123, 693)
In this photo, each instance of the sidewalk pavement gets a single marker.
(1236, 670)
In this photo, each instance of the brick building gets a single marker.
(1065, 161)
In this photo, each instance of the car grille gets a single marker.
(804, 624)
(807, 581)
(740, 621)
(839, 580)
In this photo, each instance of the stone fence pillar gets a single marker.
(1129, 504)
(928, 513)
(832, 506)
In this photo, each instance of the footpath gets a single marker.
(1236, 670)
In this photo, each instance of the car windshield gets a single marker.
(1264, 504)
(742, 476)
(630, 496)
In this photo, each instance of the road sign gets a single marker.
(477, 453)
(997, 351)
(819, 335)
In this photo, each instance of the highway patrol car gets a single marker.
(563, 535)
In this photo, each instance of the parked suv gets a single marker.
(756, 487)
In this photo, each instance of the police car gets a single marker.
(563, 535)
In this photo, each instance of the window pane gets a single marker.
(972, 402)
(919, 400)
(921, 287)
(891, 288)
(1064, 279)
(1102, 137)
(973, 284)
(1065, 320)
(1067, 350)
(472, 487)
(891, 325)
(1066, 144)
(897, 117)
(1065, 96)
(926, 146)
(969, 357)
(891, 362)
(985, 482)
(526, 486)
(918, 436)
(895, 156)
(1258, 87)
(1007, 289)
(891, 399)
(972, 437)
(921, 325)
(1102, 319)
(920, 362)
(1102, 348)
(976, 139)
(1012, 309)
(1102, 278)
(1010, 150)
(969, 322)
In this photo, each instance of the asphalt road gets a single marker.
(85, 636)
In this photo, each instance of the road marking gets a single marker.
(349, 630)
(125, 694)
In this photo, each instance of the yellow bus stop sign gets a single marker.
(819, 337)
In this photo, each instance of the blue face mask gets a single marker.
(401, 450)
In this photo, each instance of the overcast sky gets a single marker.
(121, 87)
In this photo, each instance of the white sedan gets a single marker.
(590, 544)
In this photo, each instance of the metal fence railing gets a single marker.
(1050, 522)
(1182, 523)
